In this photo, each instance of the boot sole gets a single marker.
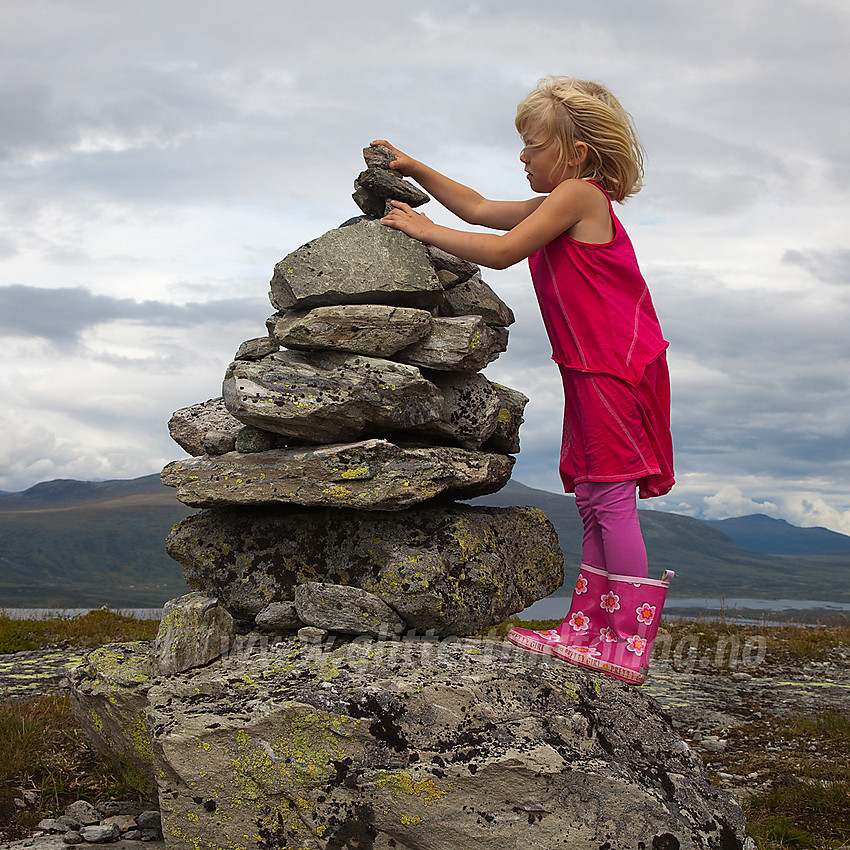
(531, 644)
(617, 671)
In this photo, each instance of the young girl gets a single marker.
(581, 152)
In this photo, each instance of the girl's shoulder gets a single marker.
(590, 211)
(580, 189)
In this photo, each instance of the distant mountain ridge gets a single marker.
(707, 563)
(75, 544)
(769, 536)
(68, 543)
(70, 490)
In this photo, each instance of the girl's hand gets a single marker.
(406, 219)
(402, 162)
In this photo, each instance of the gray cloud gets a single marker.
(175, 151)
(61, 315)
(825, 266)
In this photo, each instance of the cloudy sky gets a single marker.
(157, 158)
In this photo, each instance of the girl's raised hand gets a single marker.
(403, 217)
(402, 161)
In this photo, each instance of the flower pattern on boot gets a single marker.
(610, 602)
(645, 613)
(579, 622)
(577, 627)
(586, 651)
(608, 635)
(623, 645)
(636, 644)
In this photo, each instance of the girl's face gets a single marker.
(541, 161)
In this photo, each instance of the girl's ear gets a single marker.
(581, 151)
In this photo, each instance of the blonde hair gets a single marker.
(570, 110)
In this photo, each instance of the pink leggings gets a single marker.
(612, 539)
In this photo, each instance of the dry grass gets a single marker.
(42, 748)
(801, 764)
(45, 751)
(807, 761)
(93, 629)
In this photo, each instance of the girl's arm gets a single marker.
(568, 204)
(464, 202)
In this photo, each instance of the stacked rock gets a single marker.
(327, 465)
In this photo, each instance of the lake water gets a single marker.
(551, 608)
(554, 607)
(47, 613)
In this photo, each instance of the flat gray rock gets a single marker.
(473, 297)
(376, 330)
(451, 569)
(100, 833)
(346, 610)
(374, 187)
(327, 397)
(278, 616)
(204, 427)
(363, 263)
(457, 344)
(256, 349)
(463, 269)
(372, 474)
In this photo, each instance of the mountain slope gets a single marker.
(74, 544)
(706, 562)
(80, 543)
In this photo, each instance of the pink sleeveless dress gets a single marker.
(608, 344)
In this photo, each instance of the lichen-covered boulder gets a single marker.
(471, 408)
(375, 330)
(457, 344)
(345, 610)
(329, 396)
(453, 569)
(194, 630)
(424, 746)
(473, 297)
(363, 263)
(373, 474)
(109, 698)
(505, 437)
(204, 427)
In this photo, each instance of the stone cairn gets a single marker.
(321, 688)
(328, 468)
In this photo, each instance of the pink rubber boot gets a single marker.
(583, 621)
(624, 645)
